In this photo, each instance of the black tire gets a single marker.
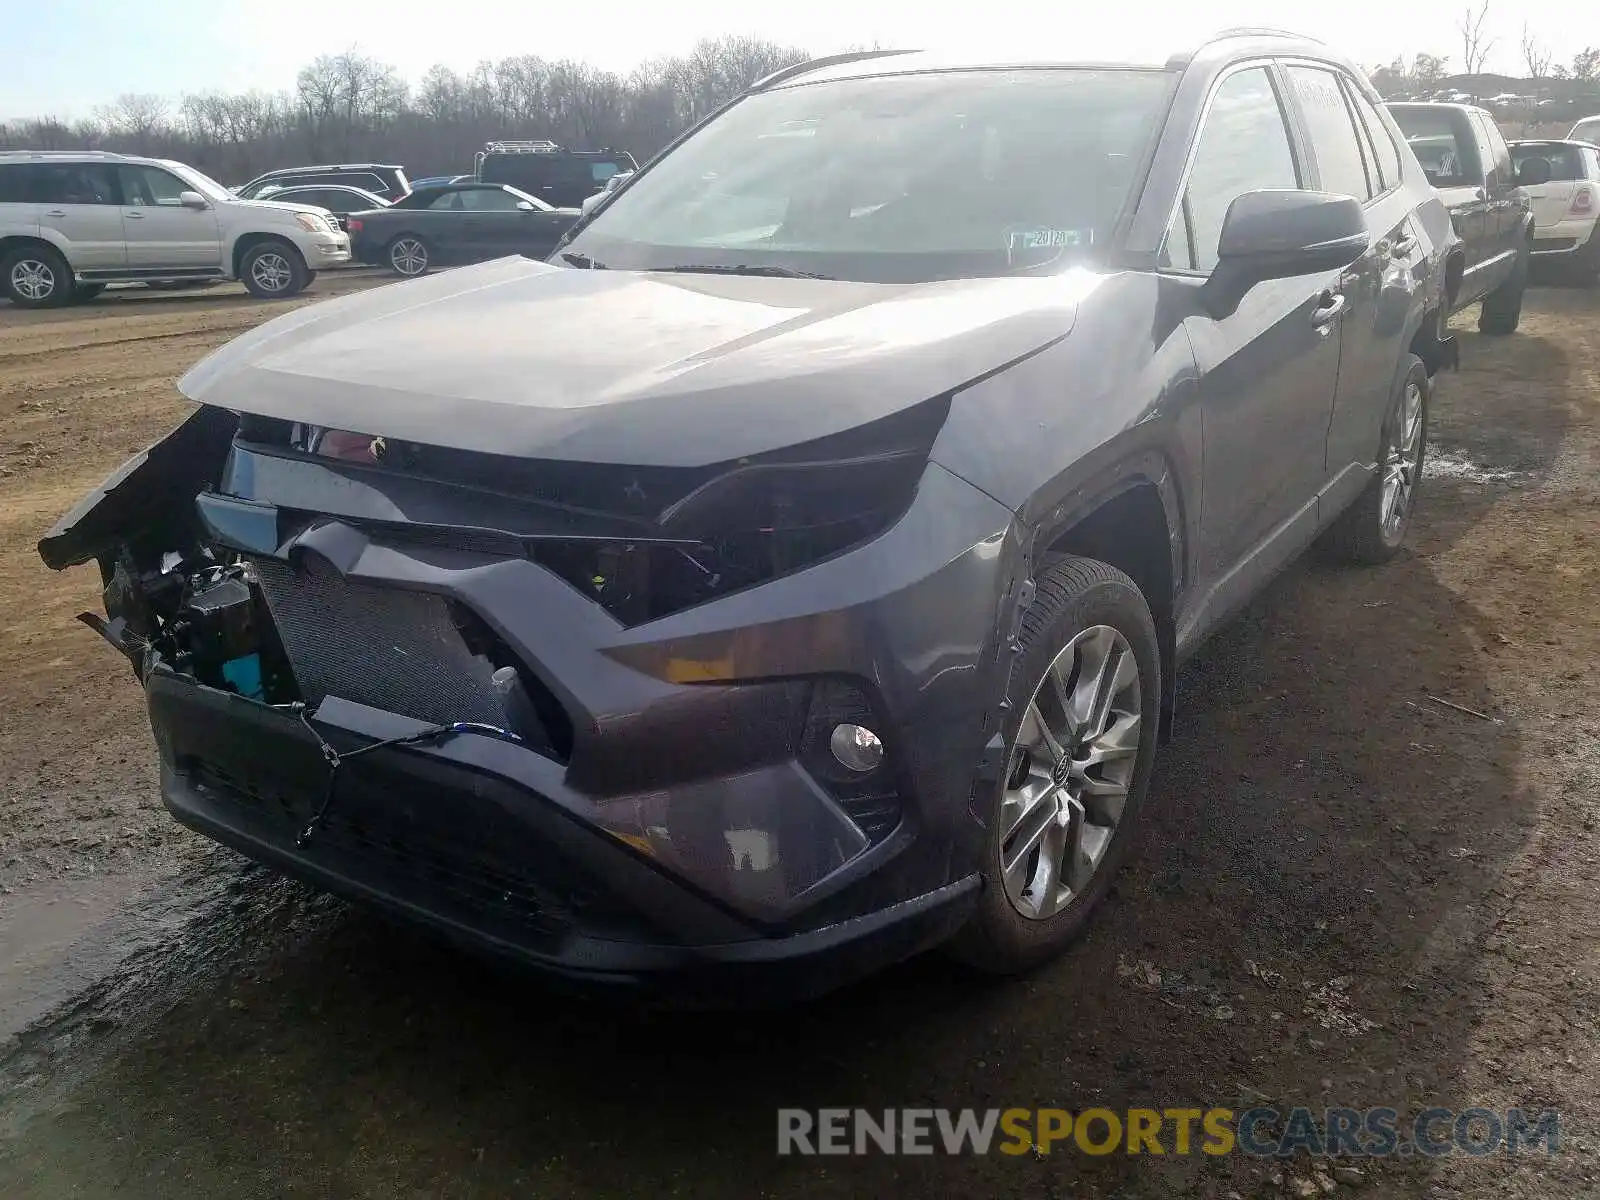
(36, 277)
(273, 270)
(1502, 308)
(408, 256)
(85, 292)
(1074, 595)
(1363, 534)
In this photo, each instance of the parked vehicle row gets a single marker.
(792, 573)
(71, 223)
(456, 223)
(1464, 155)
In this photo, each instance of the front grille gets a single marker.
(387, 648)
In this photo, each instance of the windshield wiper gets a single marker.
(770, 272)
(583, 261)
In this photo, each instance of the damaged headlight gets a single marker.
(696, 533)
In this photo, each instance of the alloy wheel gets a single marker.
(33, 279)
(409, 256)
(1402, 461)
(1071, 770)
(271, 271)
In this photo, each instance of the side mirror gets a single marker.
(1533, 171)
(1281, 234)
(524, 206)
(192, 200)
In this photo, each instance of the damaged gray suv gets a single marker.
(792, 573)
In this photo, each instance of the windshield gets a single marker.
(202, 182)
(893, 179)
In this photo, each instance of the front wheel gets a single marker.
(36, 277)
(1502, 308)
(1370, 530)
(1085, 701)
(273, 271)
(409, 255)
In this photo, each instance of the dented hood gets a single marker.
(519, 357)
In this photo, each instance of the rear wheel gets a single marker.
(1502, 308)
(1370, 530)
(36, 277)
(273, 271)
(1084, 712)
(409, 255)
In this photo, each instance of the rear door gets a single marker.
(1355, 156)
(1507, 202)
(19, 213)
(162, 234)
(1446, 144)
(81, 204)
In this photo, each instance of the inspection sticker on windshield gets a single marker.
(1031, 241)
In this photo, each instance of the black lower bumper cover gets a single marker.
(496, 868)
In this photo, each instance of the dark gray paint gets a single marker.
(1254, 425)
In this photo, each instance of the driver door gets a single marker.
(162, 234)
(1269, 368)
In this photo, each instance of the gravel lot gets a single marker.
(1348, 893)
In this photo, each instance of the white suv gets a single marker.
(70, 223)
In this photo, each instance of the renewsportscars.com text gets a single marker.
(1265, 1132)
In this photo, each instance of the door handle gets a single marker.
(1329, 306)
(56, 212)
(133, 216)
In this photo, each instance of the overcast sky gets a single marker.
(66, 56)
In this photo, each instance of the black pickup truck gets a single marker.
(1467, 160)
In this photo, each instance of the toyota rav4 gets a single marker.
(793, 572)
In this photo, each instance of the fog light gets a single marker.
(856, 747)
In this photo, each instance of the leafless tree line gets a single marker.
(352, 107)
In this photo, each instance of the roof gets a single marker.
(1227, 44)
(365, 166)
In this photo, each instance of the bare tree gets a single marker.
(351, 105)
(1429, 68)
(1534, 55)
(1475, 47)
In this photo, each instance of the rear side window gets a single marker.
(14, 183)
(1378, 136)
(74, 183)
(1244, 147)
(1435, 140)
(1499, 152)
(1333, 137)
(488, 200)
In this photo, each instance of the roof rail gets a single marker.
(522, 146)
(816, 64)
(1262, 31)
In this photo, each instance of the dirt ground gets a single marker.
(1347, 893)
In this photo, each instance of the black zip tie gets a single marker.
(334, 759)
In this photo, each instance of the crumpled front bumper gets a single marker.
(680, 834)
